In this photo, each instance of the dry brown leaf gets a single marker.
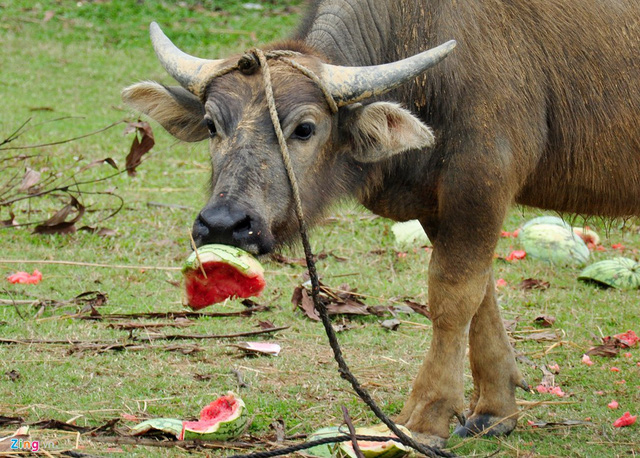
(532, 283)
(58, 223)
(140, 146)
(29, 180)
(9, 222)
(546, 321)
(422, 309)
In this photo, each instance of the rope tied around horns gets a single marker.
(248, 64)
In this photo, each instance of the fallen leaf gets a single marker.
(421, 309)
(259, 347)
(550, 424)
(26, 278)
(129, 417)
(29, 180)
(625, 420)
(266, 324)
(391, 325)
(12, 375)
(545, 321)
(58, 223)
(532, 283)
(139, 147)
(550, 335)
(611, 347)
(302, 300)
(100, 231)
(9, 222)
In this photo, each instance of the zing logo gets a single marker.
(30, 446)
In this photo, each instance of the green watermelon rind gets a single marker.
(166, 425)
(325, 450)
(236, 257)
(547, 219)
(620, 273)
(554, 243)
(226, 430)
(396, 449)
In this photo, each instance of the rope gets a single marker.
(247, 64)
(310, 444)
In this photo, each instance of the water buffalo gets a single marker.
(538, 105)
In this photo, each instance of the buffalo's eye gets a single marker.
(211, 126)
(304, 131)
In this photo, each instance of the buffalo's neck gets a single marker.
(349, 32)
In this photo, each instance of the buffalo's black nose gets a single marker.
(229, 225)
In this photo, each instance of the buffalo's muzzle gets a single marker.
(230, 225)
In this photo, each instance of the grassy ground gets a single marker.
(70, 60)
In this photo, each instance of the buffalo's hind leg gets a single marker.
(495, 374)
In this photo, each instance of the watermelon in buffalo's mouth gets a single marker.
(218, 272)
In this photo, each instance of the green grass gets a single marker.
(75, 65)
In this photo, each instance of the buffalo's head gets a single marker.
(251, 203)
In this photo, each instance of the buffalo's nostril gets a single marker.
(230, 225)
(244, 225)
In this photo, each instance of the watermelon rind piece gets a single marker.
(554, 243)
(410, 233)
(547, 219)
(166, 425)
(219, 430)
(388, 449)
(620, 273)
(325, 450)
(236, 257)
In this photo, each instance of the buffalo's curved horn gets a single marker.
(187, 70)
(352, 84)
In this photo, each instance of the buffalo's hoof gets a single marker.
(486, 425)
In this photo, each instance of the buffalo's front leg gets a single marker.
(495, 375)
(438, 390)
(464, 233)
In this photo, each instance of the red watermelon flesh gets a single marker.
(219, 410)
(222, 281)
(223, 419)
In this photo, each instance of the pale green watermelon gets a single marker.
(621, 273)
(555, 243)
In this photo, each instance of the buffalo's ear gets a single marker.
(175, 108)
(382, 129)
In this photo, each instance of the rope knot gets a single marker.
(249, 63)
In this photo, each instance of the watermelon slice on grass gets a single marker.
(222, 420)
(215, 273)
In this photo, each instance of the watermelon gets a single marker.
(384, 449)
(223, 419)
(554, 242)
(229, 272)
(621, 273)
